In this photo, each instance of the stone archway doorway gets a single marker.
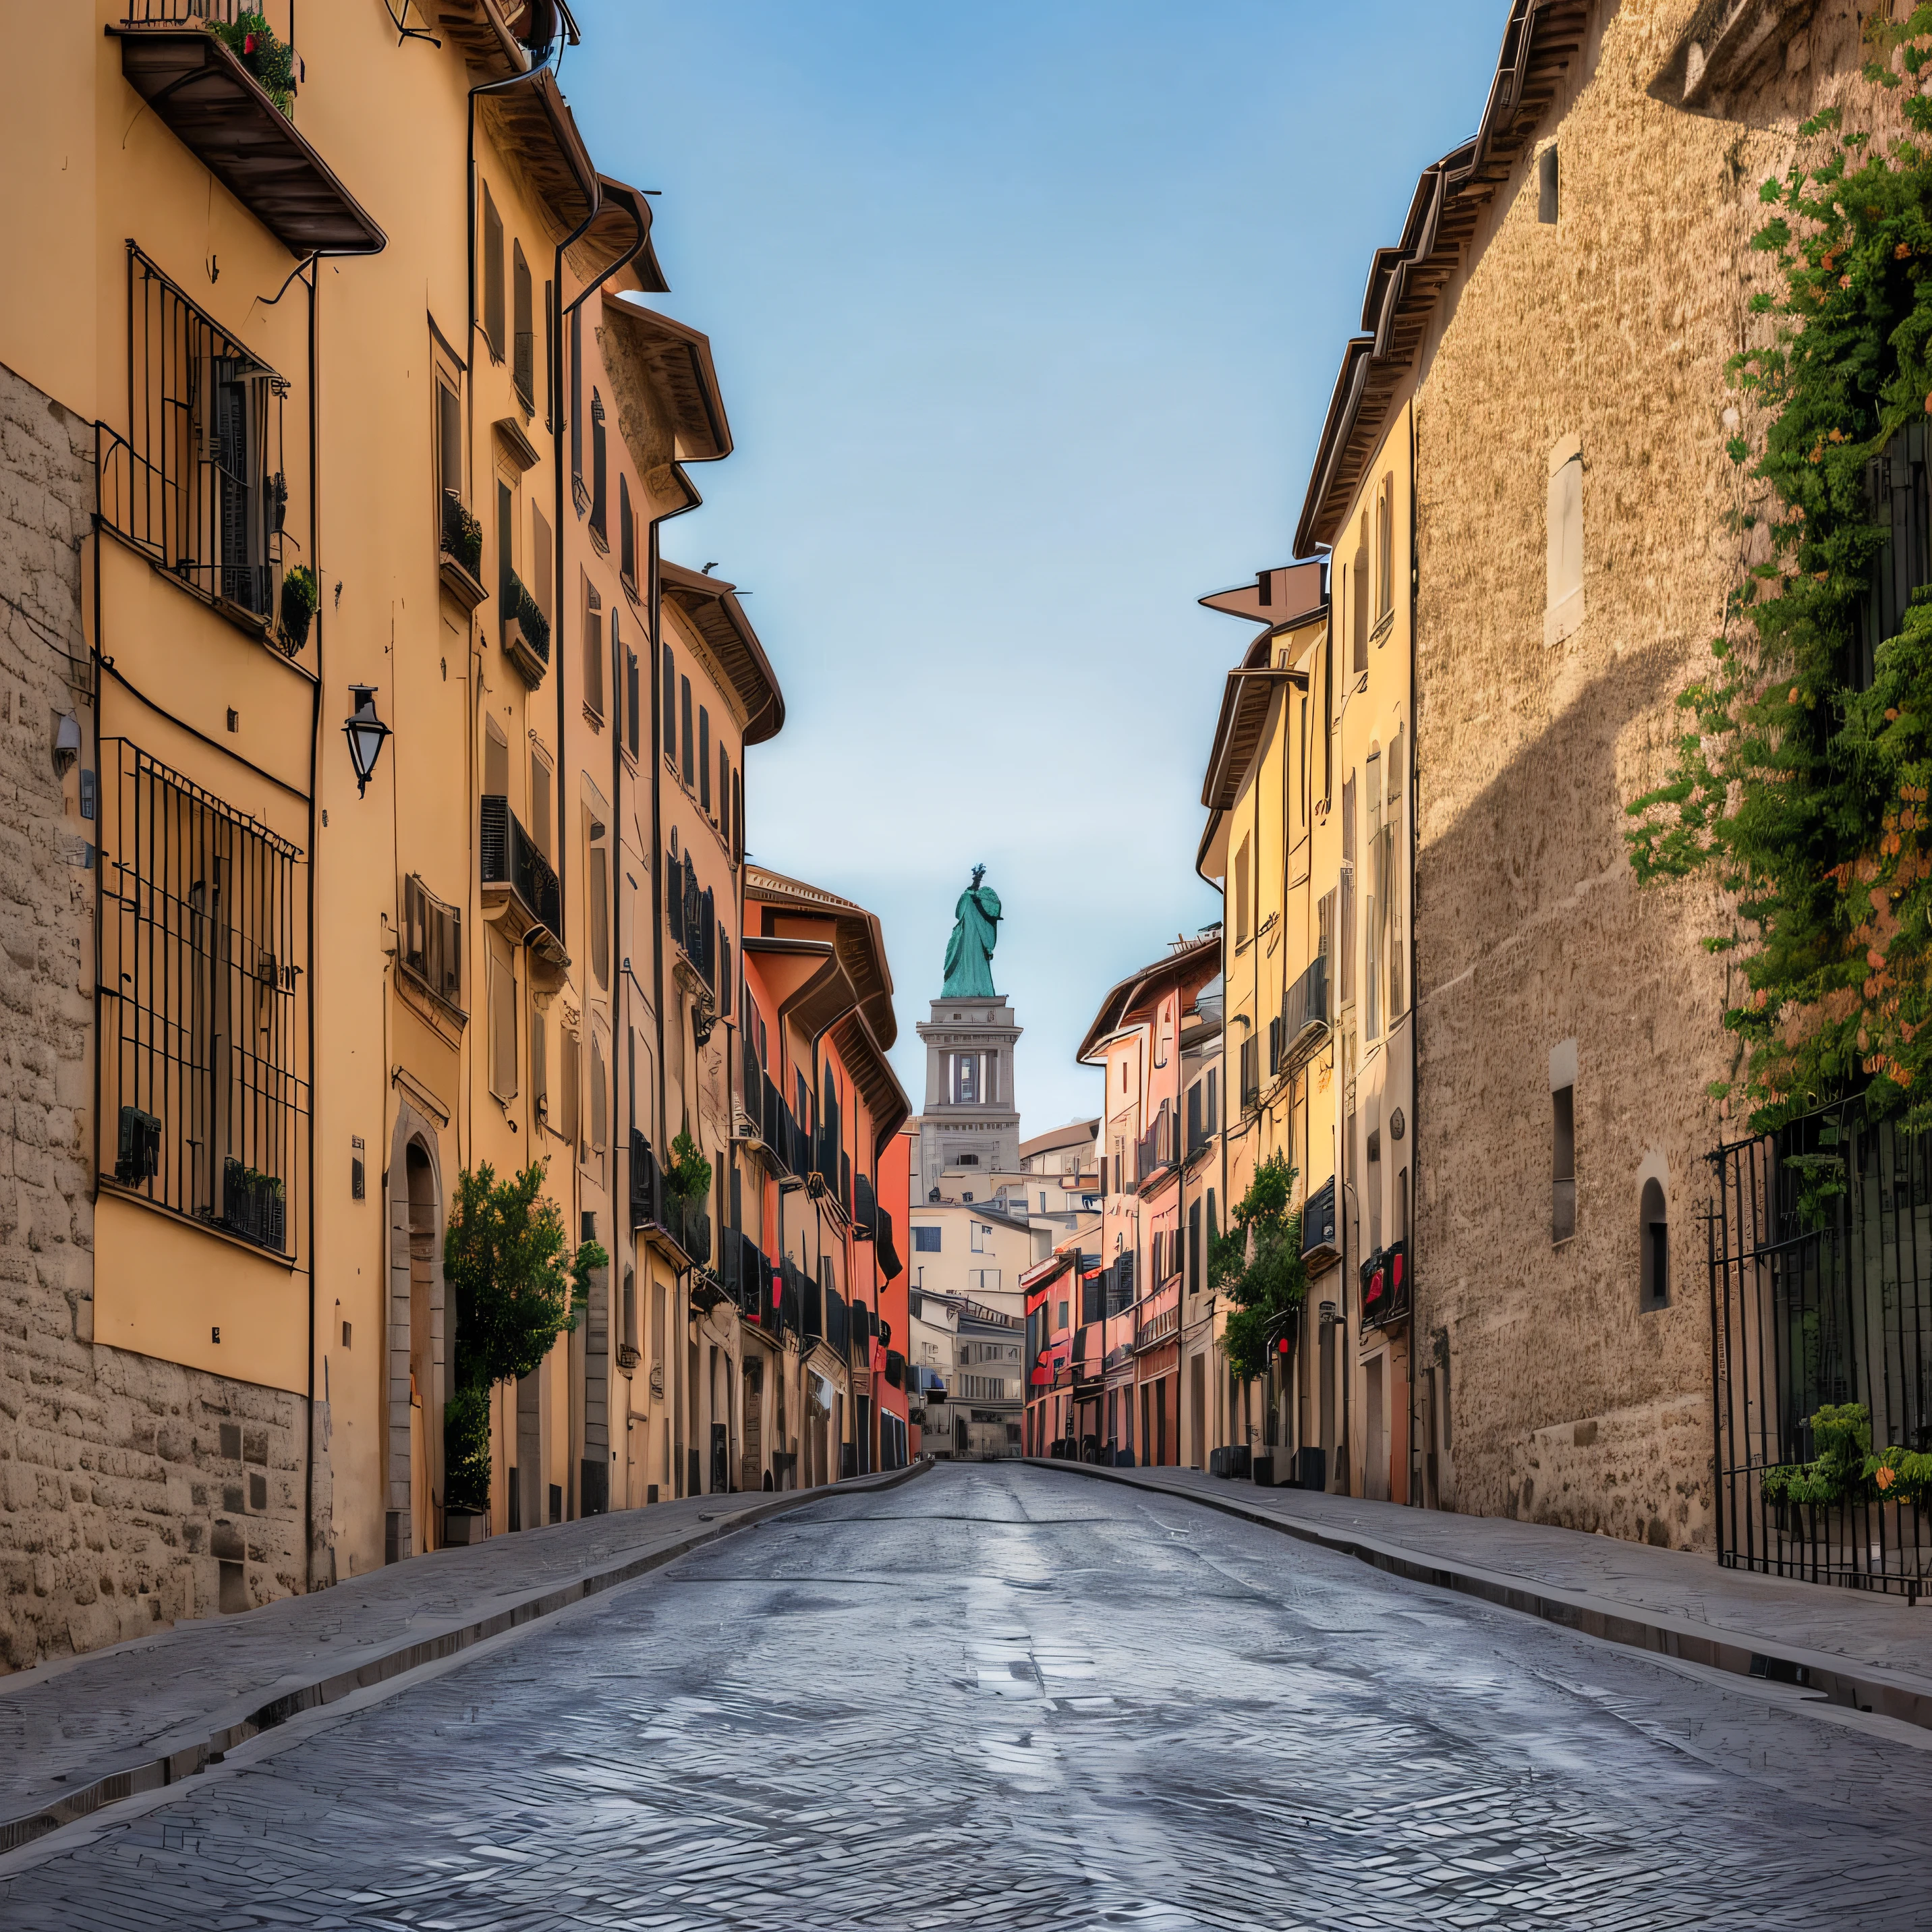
(417, 1351)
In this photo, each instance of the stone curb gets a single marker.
(171, 1766)
(1837, 1679)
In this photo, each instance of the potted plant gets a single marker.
(517, 1285)
(253, 42)
(298, 602)
(253, 1205)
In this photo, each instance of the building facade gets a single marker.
(389, 822)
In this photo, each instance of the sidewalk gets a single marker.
(80, 1732)
(1854, 1647)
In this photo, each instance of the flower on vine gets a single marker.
(1903, 249)
(248, 43)
(1884, 1476)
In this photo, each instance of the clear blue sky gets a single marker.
(1026, 312)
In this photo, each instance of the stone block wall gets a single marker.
(132, 1491)
(1569, 1402)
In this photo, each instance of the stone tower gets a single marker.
(969, 1121)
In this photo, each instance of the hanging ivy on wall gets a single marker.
(1805, 796)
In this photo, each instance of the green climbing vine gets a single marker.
(1804, 797)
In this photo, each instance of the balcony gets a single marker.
(1385, 1286)
(1303, 1025)
(693, 923)
(202, 90)
(519, 889)
(864, 1208)
(744, 1274)
(462, 560)
(526, 630)
(1319, 1247)
(885, 1247)
(1154, 1152)
(796, 1299)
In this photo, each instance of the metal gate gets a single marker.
(1820, 1240)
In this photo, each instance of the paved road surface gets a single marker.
(1004, 1697)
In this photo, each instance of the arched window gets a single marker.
(1654, 1231)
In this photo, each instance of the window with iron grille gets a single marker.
(204, 1110)
(432, 941)
(196, 482)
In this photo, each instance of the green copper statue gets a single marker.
(969, 953)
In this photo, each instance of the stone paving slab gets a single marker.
(1857, 1647)
(80, 1732)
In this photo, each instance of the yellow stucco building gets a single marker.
(390, 816)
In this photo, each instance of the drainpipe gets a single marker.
(1414, 801)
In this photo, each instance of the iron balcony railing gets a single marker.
(1119, 1281)
(1820, 1292)
(1155, 1150)
(810, 1305)
(511, 857)
(864, 1208)
(1304, 1014)
(795, 1303)
(694, 924)
(646, 1182)
(655, 1204)
(838, 1323)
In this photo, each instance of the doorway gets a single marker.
(1374, 1423)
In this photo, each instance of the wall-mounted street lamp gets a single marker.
(365, 732)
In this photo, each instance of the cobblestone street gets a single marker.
(889, 1710)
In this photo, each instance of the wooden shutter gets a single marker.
(492, 275)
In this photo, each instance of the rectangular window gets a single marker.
(523, 331)
(1241, 894)
(492, 275)
(688, 761)
(1394, 869)
(495, 761)
(541, 792)
(1547, 203)
(598, 468)
(1564, 564)
(1377, 897)
(593, 650)
(448, 443)
(503, 1027)
(569, 1121)
(737, 839)
(724, 795)
(1385, 547)
(1563, 1164)
(577, 406)
(670, 701)
(627, 533)
(600, 1097)
(600, 902)
(1358, 600)
(925, 1240)
(201, 1101)
(633, 694)
(1348, 889)
(543, 561)
(539, 1065)
(703, 758)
